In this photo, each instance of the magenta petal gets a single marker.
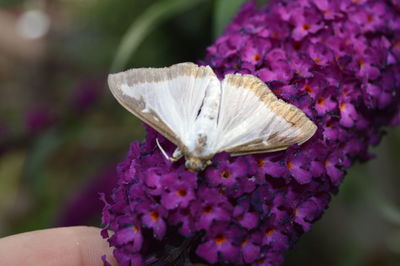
(158, 225)
(317, 168)
(335, 174)
(159, 229)
(302, 176)
(170, 200)
(249, 220)
(250, 252)
(153, 181)
(124, 236)
(125, 259)
(105, 262)
(276, 240)
(217, 213)
(348, 114)
(208, 251)
(273, 169)
(229, 251)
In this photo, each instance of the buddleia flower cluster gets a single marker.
(338, 61)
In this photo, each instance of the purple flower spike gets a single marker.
(338, 61)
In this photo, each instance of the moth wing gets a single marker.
(253, 120)
(168, 99)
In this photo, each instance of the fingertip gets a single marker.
(80, 245)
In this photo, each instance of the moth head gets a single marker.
(196, 164)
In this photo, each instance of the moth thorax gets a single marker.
(196, 164)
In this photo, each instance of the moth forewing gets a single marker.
(168, 99)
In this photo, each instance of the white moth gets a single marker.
(202, 115)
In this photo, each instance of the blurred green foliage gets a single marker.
(224, 11)
(143, 26)
(11, 2)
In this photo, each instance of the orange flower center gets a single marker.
(181, 192)
(260, 163)
(135, 229)
(256, 57)
(306, 26)
(321, 101)
(260, 261)
(296, 45)
(290, 165)
(239, 218)
(269, 232)
(307, 88)
(219, 239)
(361, 62)
(154, 216)
(226, 174)
(207, 209)
(277, 91)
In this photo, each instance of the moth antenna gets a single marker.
(163, 152)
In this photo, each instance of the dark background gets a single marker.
(62, 133)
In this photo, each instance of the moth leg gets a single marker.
(175, 156)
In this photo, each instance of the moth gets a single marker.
(203, 116)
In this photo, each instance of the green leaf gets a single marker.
(224, 12)
(144, 24)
